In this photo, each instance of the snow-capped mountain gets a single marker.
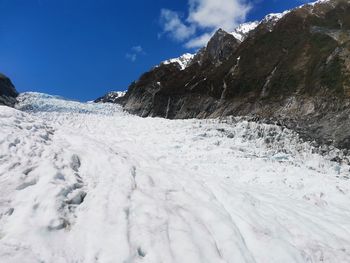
(90, 183)
(293, 66)
(249, 169)
(242, 31)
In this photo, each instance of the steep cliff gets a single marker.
(8, 92)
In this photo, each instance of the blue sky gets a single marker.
(81, 49)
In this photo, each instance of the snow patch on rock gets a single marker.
(242, 31)
(183, 61)
(318, 2)
(274, 17)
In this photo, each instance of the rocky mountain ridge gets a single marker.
(243, 30)
(111, 97)
(293, 68)
(183, 61)
(8, 92)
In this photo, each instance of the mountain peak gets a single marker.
(295, 65)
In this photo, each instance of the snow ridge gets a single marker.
(319, 2)
(243, 30)
(274, 17)
(117, 94)
(183, 61)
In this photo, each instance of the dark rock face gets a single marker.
(218, 49)
(8, 92)
(295, 70)
(164, 90)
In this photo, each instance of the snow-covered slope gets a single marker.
(88, 183)
(318, 2)
(274, 17)
(183, 61)
(243, 30)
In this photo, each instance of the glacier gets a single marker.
(85, 182)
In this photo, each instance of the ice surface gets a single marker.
(90, 183)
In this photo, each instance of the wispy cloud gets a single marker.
(204, 16)
(137, 49)
(199, 41)
(134, 53)
(173, 25)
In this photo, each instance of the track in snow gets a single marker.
(89, 183)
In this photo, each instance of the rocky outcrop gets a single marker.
(293, 68)
(111, 97)
(8, 92)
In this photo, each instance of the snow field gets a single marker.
(89, 183)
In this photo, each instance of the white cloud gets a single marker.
(199, 41)
(134, 53)
(225, 14)
(172, 24)
(204, 15)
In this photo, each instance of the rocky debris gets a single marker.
(8, 92)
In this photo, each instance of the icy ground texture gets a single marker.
(85, 183)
